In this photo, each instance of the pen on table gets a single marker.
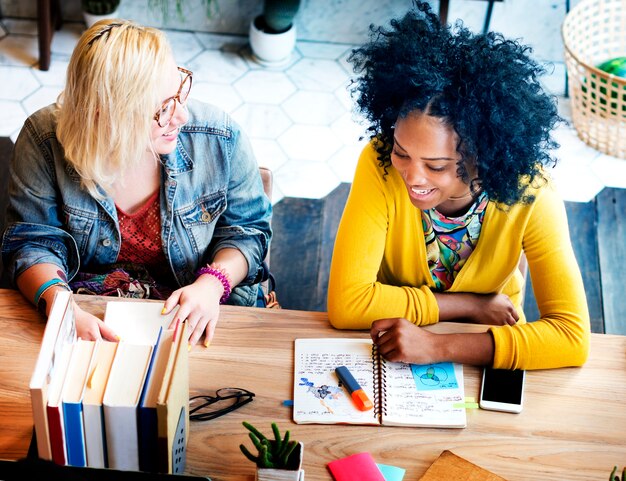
(359, 397)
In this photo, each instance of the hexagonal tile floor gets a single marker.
(299, 116)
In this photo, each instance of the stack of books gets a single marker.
(120, 405)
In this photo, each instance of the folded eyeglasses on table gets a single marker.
(203, 407)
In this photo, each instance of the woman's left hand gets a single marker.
(199, 306)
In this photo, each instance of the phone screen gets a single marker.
(503, 386)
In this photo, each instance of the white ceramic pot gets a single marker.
(266, 474)
(90, 19)
(272, 49)
(295, 474)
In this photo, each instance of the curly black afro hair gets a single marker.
(485, 86)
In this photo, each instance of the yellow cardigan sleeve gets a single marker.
(560, 337)
(376, 260)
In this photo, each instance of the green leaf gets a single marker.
(258, 443)
(253, 430)
(277, 439)
(248, 454)
(285, 456)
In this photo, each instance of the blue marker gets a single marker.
(359, 397)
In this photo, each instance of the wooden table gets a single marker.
(573, 425)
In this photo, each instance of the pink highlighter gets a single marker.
(359, 397)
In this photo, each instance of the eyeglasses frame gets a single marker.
(195, 415)
(176, 98)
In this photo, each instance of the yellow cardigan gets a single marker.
(379, 269)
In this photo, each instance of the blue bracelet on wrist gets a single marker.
(47, 285)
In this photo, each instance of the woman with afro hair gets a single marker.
(449, 194)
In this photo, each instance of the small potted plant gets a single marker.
(615, 475)
(278, 459)
(273, 33)
(94, 10)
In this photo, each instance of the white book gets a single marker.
(430, 395)
(137, 322)
(121, 398)
(60, 331)
(93, 414)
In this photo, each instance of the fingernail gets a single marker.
(207, 343)
(118, 338)
(189, 347)
(163, 310)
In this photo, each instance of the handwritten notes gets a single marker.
(403, 394)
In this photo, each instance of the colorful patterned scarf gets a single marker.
(451, 240)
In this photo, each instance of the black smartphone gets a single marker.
(502, 390)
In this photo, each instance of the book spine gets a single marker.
(74, 434)
(40, 417)
(95, 439)
(148, 439)
(57, 436)
(120, 425)
(380, 384)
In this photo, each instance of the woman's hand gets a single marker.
(199, 306)
(492, 309)
(400, 340)
(90, 328)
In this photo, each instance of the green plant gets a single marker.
(271, 453)
(279, 14)
(616, 477)
(164, 7)
(100, 7)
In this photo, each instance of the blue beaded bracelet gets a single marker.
(47, 285)
(221, 275)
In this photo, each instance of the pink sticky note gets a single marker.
(358, 467)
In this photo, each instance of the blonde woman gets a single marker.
(127, 187)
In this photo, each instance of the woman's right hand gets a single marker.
(494, 309)
(90, 328)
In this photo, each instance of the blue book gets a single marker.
(147, 420)
(72, 402)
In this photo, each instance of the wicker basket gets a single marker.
(595, 31)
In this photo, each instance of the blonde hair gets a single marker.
(105, 112)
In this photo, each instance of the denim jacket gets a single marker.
(211, 198)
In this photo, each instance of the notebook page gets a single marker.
(318, 398)
(423, 395)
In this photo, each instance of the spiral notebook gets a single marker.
(430, 395)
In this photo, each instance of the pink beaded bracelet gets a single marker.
(221, 275)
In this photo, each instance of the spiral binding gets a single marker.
(380, 383)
